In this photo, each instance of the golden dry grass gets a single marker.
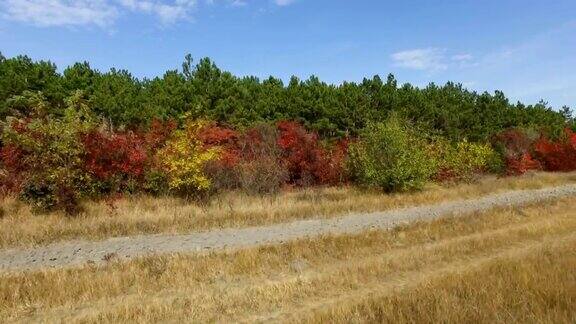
(148, 215)
(533, 286)
(509, 265)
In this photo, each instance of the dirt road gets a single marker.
(81, 252)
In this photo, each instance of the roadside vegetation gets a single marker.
(506, 265)
(90, 155)
(144, 214)
(197, 133)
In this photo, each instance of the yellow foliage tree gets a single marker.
(183, 159)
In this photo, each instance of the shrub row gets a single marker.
(396, 157)
(54, 162)
(523, 150)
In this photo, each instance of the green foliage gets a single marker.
(117, 96)
(33, 104)
(55, 177)
(205, 91)
(21, 74)
(463, 160)
(79, 76)
(156, 182)
(390, 156)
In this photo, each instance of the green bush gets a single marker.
(390, 156)
(54, 177)
(462, 160)
(156, 183)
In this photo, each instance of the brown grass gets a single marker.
(510, 265)
(537, 285)
(148, 215)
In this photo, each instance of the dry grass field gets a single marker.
(511, 265)
(147, 215)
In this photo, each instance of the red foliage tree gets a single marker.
(330, 169)
(557, 156)
(118, 156)
(12, 164)
(516, 147)
(258, 142)
(11, 168)
(225, 138)
(12, 158)
(159, 131)
(521, 165)
(307, 161)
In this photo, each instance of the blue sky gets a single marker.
(525, 48)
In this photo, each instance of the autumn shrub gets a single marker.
(154, 139)
(332, 168)
(390, 156)
(515, 142)
(262, 168)
(157, 134)
(183, 159)
(11, 168)
(300, 151)
(117, 160)
(462, 160)
(155, 182)
(50, 155)
(11, 156)
(226, 139)
(222, 171)
(522, 164)
(557, 155)
(308, 162)
(515, 148)
(250, 161)
(261, 176)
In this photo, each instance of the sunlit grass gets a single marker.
(148, 215)
(507, 260)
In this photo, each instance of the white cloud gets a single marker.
(103, 13)
(462, 57)
(167, 12)
(468, 84)
(283, 3)
(238, 3)
(429, 59)
(60, 12)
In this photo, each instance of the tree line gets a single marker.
(202, 90)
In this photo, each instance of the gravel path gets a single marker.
(81, 252)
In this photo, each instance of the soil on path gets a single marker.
(77, 253)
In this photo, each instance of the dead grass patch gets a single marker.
(329, 279)
(148, 215)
